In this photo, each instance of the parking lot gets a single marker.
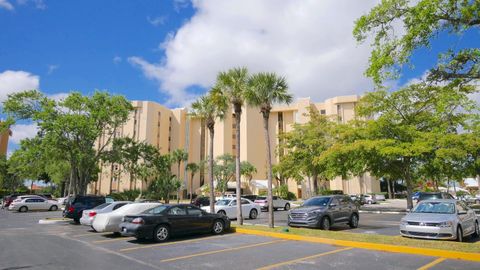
(27, 244)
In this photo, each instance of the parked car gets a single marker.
(108, 222)
(277, 203)
(228, 207)
(379, 197)
(164, 221)
(359, 200)
(201, 201)
(75, 206)
(7, 200)
(440, 219)
(250, 197)
(89, 215)
(325, 211)
(33, 204)
(476, 209)
(415, 196)
(434, 196)
(370, 199)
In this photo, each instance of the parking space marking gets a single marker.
(222, 250)
(173, 243)
(303, 259)
(433, 263)
(113, 240)
(91, 234)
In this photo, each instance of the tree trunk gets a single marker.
(393, 188)
(389, 189)
(478, 183)
(238, 113)
(409, 189)
(315, 184)
(454, 188)
(111, 178)
(309, 183)
(210, 170)
(178, 177)
(191, 187)
(269, 171)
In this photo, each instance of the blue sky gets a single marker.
(171, 51)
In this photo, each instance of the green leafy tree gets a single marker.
(422, 22)
(209, 108)
(179, 156)
(266, 89)
(164, 182)
(224, 171)
(193, 169)
(233, 85)
(247, 170)
(72, 127)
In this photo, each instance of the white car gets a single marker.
(33, 203)
(228, 207)
(277, 203)
(108, 222)
(370, 199)
(89, 215)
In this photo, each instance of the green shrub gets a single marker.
(331, 192)
(262, 193)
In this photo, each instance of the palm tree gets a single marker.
(233, 85)
(264, 90)
(209, 108)
(193, 168)
(179, 155)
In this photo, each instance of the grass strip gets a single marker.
(372, 238)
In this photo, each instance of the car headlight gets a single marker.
(403, 222)
(446, 224)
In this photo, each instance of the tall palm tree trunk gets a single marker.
(210, 171)
(238, 113)
(269, 170)
(191, 187)
(178, 190)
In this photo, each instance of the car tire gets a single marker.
(476, 233)
(76, 220)
(218, 226)
(459, 234)
(161, 233)
(253, 214)
(53, 208)
(23, 209)
(117, 234)
(287, 207)
(353, 223)
(221, 212)
(325, 223)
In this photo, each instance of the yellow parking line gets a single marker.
(222, 250)
(90, 234)
(429, 265)
(302, 259)
(113, 240)
(172, 243)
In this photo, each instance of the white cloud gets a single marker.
(51, 68)
(21, 132)
(15, 81)
(6, 5)
(117, 59)
(310, 42)
(40, 4)
(180, 4)
(157, 20)
(58, 96)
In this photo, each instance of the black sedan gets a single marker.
(165, 220)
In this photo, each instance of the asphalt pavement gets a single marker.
(25, 244)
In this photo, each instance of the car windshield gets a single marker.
(261, 198)
(432, 196)
(321, 201)
(223, 202)
(101, 206)
(435, 207)
(156, 210)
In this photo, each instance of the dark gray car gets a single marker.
(324, 211)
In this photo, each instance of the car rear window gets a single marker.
(434, 196)
(101, 206)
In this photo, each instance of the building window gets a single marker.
(234, 136)
(234, 125)
(323, 112)
(234, 147)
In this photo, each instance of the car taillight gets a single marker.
(92, 214)
(70, 209)
(138, 221)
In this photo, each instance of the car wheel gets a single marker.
(221, 212)
(161, 233)
(477, 230)
(117, 234)
(325, 223)
(253, 214)
(459, 234)
(53, 208)
(76, 220)
(287, 207)
(353, 223)
(23, 209)
(218, 227)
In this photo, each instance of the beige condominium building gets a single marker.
(170, 129)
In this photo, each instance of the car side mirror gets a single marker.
(462, 212)
(333, 204)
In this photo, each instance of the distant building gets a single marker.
(170, 129)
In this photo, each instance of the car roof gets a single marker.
(440, 200)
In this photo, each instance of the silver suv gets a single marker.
(324, 211)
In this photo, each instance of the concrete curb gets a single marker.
(457, 255)
(54, 221)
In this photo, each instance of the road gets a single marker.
(25, 244)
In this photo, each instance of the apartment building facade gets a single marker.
(170, 129)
